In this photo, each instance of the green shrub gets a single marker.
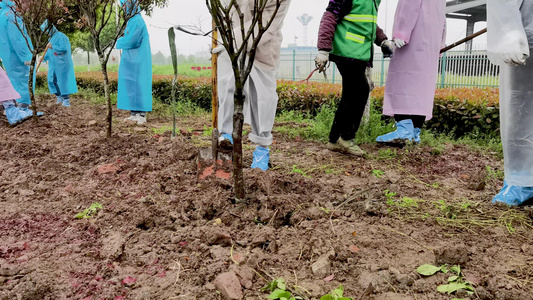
(456, 111)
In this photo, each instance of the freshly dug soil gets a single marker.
(318, 219)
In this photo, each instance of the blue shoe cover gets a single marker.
(225, 141)
(30, 112)
(513, 195)
(59, 100)
(66, 102)
(417, 135)
(227, 136)
(404, 132)
(261, 158)
(15, 115)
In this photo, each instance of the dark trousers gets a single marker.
(355, 91)
(418, 121)
(58, 91)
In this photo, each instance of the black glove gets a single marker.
(387, 48)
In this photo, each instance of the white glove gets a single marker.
(513, 57)
(27, 63)
(321, 60)
(218, 49)
(399, 43)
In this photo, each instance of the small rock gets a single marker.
(140, 129)
(264, 237)
(92, 123)
(108, 168)
(405, 279)
(478, 180)
(322, 266)
(113, 246)
(209, 286)
(527, 249)
(26, 192)
(218, 253)
(371, 279)
(354, 248)
(245, 274)
(239, 258)
(229, 286)
(374, 207)
(129, 281)
(220, 238)
(452, 255)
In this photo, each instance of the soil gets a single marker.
(318, 219)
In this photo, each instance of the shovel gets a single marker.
(212, 161)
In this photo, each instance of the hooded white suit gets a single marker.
(261, 98)
(510, 38)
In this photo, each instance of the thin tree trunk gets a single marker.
(107, 98)
(88, 61)
(30, 87)
(238, 122)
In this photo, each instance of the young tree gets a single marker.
(95, 17)
(241, 46)
(28, 16)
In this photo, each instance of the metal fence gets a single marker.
(456, 69)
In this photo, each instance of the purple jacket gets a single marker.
(335, 13)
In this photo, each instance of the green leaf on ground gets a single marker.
(427, 270)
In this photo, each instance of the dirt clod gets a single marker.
(452, 255)
(229, 286)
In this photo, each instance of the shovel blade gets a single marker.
(209, 167)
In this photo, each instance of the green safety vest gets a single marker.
(356, 33)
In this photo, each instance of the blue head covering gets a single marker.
(7, 3)
(128, 5)
(45, 25)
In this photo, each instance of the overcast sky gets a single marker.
(194, 12)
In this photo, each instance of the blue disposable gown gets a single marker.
(3, 42)
(15, 52)
(135, 72)
(60, 63)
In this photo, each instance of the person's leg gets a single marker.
(66, 100)
(14, 115)
(58, 91)
(408, 129)
(355, 91)
(141, 117)
(137, 116)
(262, 100)
(418, 122)
(348, 116)
(516, 109)
(226, 91)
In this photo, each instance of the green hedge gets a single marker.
(457, 111)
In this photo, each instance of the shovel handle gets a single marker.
(42, 58)
(466, 39)
(214, 78)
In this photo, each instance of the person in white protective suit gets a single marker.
(510, 42)
(261, 98)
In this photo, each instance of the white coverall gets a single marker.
(261, 98)
(510, 35)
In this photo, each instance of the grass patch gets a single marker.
(317, 128)
(460, 215)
